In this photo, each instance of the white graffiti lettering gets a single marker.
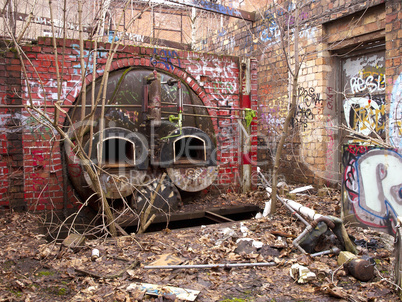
(372, 84)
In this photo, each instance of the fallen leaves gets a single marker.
(24, 253)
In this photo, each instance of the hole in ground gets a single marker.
(199, 218)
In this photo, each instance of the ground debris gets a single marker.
(33, 269)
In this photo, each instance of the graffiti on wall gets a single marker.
(272, 114)
(372, 186)
(48, 90)
(228, 140)
(364, 85)
(365, 115)
(270, 118)
(368, 81)
(165, 57)
(89, 59)
(270, 30)
(308, 100)
(395, 115)
(213, 67)
(221, 91)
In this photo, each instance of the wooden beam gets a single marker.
(216, 217)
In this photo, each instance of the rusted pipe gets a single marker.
(325, 219)
(73, 106)
(297, 240)
(226, 265)
(311, 227)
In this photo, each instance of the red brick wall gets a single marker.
(11, 155)
(39, 184)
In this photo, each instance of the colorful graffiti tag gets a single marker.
(365, 115)
(372, 186)
(395, 115)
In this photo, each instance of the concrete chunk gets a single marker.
(74, 241)
(345, 257)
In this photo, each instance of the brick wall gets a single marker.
(393, 69)
(30, 163)
(11, 155)
(328, 31)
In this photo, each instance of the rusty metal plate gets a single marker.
(118, 185)
(193, 179)
(167, 200)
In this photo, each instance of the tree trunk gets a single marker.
(281, 143)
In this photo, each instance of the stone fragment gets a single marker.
(345, 257)
(74, 241)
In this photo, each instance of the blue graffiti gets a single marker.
(218, 8)
(270, 29)
(222, 33)
(165, 57)
(88, 58)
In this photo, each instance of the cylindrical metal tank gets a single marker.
(153, 123)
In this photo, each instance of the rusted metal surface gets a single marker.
(193, 179)
(188, 147)
(361, 269)
(153, 96)
(166, 201)
(135, 131)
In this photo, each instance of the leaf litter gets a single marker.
(33, 269)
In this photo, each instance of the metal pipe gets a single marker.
(73, 106)
(210, 116)
(207, 107)
(334, 250)
(302, 209)
(297, 240)
(269, 190)
(309, 228)
(226, 265)
(126, 106)
(294, 212)
(211, 107)
(327, 220)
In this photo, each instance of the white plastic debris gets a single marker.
(301, 273)
(244, 229)
(267, 208)
(281, 184)
(156, 290)
(95, 254)
(258, 216)
(228, 232)
(301, 189)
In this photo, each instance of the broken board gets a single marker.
(166, 259)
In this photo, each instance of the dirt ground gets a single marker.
(33, 269)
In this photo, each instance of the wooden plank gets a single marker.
(216, 217)
(166, 259)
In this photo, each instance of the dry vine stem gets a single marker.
(144, 221)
